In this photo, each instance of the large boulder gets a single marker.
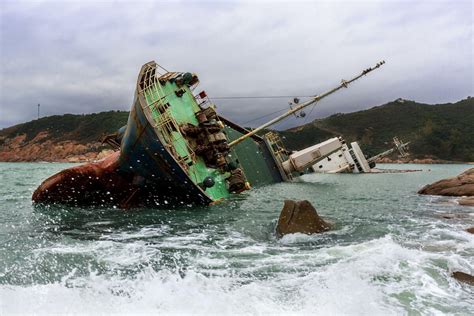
(462, 185)
(300, 217)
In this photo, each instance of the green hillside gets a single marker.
(444, 131)
(82, 128)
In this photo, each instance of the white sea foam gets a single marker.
(373, 277)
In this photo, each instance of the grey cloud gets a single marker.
(81, 57)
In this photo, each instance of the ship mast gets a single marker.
(313, 99)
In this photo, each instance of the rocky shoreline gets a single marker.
(461, 185)
(426, 161)
(42, 149)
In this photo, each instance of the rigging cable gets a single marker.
(311, 111)
(261, 97)
(263, 116)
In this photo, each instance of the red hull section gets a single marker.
(96, 183)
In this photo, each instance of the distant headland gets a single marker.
(438, 133)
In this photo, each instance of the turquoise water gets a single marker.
(390, 252)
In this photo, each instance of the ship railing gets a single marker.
(169, 75)
(152, 88)
(166, 124)
(278, 150)
(164, 121)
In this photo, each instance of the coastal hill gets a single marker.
(64, 138)
(440, 132)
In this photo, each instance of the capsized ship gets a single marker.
(351, 159)
(176, 150)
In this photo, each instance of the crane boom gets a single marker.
(313, 99)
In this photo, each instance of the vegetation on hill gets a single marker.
(84, 128)
(443, 131)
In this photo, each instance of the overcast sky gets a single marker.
(84, 56)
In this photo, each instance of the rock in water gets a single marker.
(469, 201)
(463, 277)
(454, 215)
(462, 185)
(470, 230)
(300, 217)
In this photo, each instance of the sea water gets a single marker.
(390, 252)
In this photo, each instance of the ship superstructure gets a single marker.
(177, 143)
(351, 159)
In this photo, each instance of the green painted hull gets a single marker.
(254, 156)
(174, 151)
(172, 124)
